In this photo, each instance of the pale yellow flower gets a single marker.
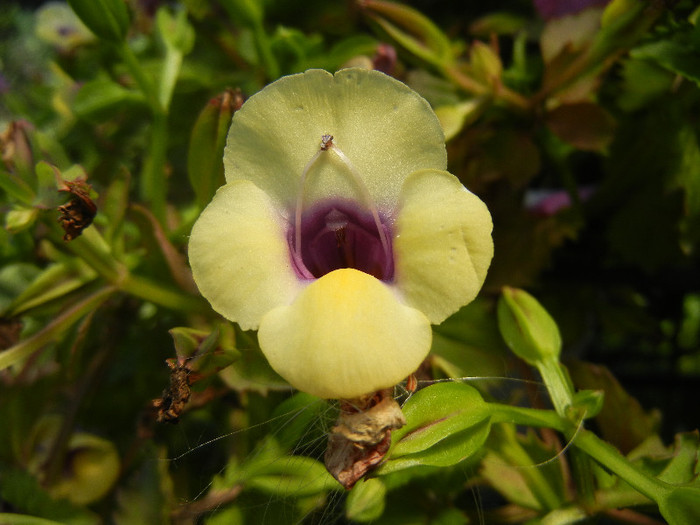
(339, 235)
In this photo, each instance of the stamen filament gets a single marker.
(365, 195)
(326, 145)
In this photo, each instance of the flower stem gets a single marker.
(153, 188)
(586, 441)
(140, 77)
(92, 248)
(55, 329)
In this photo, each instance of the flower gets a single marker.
(338, 234)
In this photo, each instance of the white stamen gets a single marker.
(327, 144)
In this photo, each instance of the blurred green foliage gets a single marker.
(579, 131)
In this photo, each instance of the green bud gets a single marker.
(175, 30)
(526, 327)
(205, 160)
(20, 218)
(485, 63)
(92, 468)
(411, 29)
(108, 19)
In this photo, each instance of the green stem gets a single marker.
(140, 77)
(55, 329)
(161, 295)
(91, 247)
(153, 188)
(561, 391)
(531, 417)
(610, 458)
(604, 453)
(171, 69)
(558, 385)
(535, 478)
(501, 92)
(262, 45)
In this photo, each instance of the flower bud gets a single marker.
(526, 327)
(205, 164)
(92, 468)
(108, 19)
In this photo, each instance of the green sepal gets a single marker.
(108, 19)
(445, 424)
(526, 327)
(586, 404)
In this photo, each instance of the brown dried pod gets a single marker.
(172, 403)
(79, 212)
(362, 436)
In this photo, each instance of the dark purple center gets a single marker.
(339, 234)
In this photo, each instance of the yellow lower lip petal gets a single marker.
(345, 335)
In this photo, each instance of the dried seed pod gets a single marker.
(172, 403)
(79, 212)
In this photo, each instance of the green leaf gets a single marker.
(412, 30)
(445, 424)
(108, 19)
(290, 476)
(622, 420)
(54, 281)
(101, 99)
(16, 187)
(300, 419)
(682, 506)
(26, 496)
(366, 500)
(18, 519)
(678, 54)
(684, 467)
(147, 497)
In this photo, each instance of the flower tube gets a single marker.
(339, 235)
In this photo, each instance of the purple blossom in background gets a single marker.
(545, 203)
(555, 8)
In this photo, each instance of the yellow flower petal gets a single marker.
(240, 257)
(344, 336)
(384, 128)
(442, 244)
